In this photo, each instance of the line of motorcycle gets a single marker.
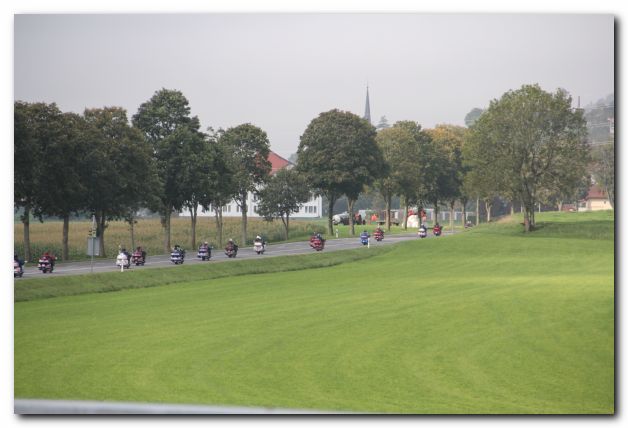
(243, 253)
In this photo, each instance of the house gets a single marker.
(596, 200)
(311, 209)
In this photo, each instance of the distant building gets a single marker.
(367, 108)
(311, 209)
(596, 200)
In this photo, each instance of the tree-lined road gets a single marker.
(218, 255)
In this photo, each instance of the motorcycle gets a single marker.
(17, 270)
(259, 247)
(437, 231)
(122, 261)
(422, 232)
(204, 253)
(138, 258)
(231, 252)
(317, 243)
(379, 236)
(364, 239)
(44, 265)
(177, 257)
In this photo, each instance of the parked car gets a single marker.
(342, 218)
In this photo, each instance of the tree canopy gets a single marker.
(529, 141)
(248, 149)
(339, 156)
(282, 196)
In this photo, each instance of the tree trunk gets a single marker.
(528, 214)
(451, 215)
(65, 251)
(435, 211)
(405, 220)
(287, 225)
(26, 221)
(512, 207)
(193, 217)
(388, 204)
(330, 214)
(477, 211)
(463, 201)
(351, 223)
(526, 221)
(132, 231)
(101, 225)
(244, 210)
(218, 212)
(560, 206)
(165, 221)
(488, 204)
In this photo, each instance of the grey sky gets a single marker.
(279, 71)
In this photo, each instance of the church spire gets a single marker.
(367, 109)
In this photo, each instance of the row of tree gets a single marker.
(524, 147)
(99, 163)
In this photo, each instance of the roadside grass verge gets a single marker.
(43, 288)
(596, 225)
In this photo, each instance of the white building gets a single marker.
(311, 209)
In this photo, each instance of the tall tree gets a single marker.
(339, 156)
(29, 132)
(283, 195)
(63, 170)
(400, 146)
(472, 116)
(120, 170)
(165, 121)
(198, 175)
(248, 149)
(604, 168)
(383, 123)
(225, 186)
(533, 141)
(451, 138)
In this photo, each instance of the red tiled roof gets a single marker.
(596, 192)
(277, 162)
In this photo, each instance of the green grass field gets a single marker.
(487, 321)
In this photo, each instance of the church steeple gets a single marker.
(367, 109)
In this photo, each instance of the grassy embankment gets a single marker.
(489, 321)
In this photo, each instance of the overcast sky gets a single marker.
(279, 71)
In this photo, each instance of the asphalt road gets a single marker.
(218, 256)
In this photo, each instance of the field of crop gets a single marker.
(487, 321)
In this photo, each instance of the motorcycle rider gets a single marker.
(51, 259)
(364, 235)
(141, 251)
(231, 246)
(437, 228)
(316, 236)
(260, 240)
(205, 248)
(19, 261)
